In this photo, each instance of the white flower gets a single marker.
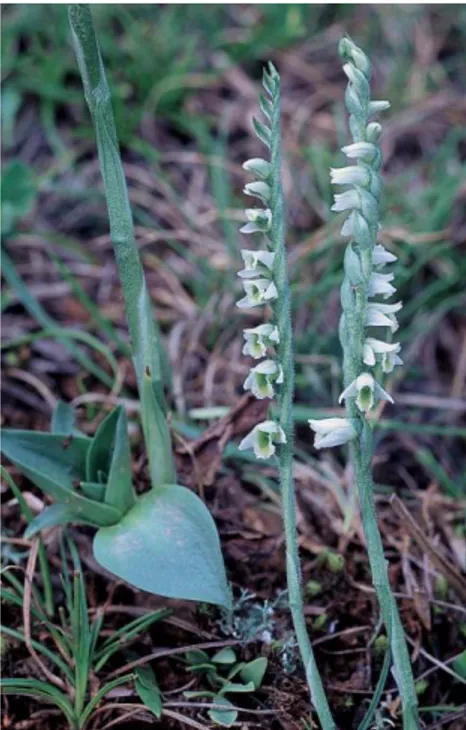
(382, 315)
(263, 438)
(259, 220)
(360, 150)
(374, 107)
(346, 201)
(332, 432)
(351, 175)
(258, 292)
(258, 339)
(256, 263)
(380, 255)
(258, 167)
(365, 389)
(262, 378)
(390, 360)
(379, 284)
(258, 189)
(373, 347)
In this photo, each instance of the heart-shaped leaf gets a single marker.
(254, 671)
(167, 544)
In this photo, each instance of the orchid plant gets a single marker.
(365, 284)
(164, 541)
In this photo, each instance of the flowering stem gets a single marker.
(282, 317)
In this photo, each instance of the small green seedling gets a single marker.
(77, 651)
(164, 541)
(220, 670)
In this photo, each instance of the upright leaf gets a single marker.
(119, 492)
(145, 337)
(63, 419)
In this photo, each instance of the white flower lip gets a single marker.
(259, 167)
(262, 378)
(258, 189)
(379, 285)
(360, 150)
(259, 220)
(382, 315)
(387, 350)
(380, 255)
(258, 291)
(351, 175)
(258, 339)
(349, 200)
(332, 432)
(256, 263)
(365, 389)
(262, 439)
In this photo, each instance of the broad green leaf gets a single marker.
(224, 656)
(119, 492)
(197, 656)
(254, 671)
(459, 664)
(56, 463)
(59, 513)
(167, 544)
(148, 690)
(63, 419)
(93, 490)
(226, 717)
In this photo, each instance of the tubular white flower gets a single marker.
(263, 438)
(360, 150)
(263, 377)
(365, 389)
(332, 432)
(258, 189)
(258, 339)
(351, 175)
(381, 256)
(258, 167)
(256, 263)
(373, 348)
(382, 315)
(259, 220)
(258, 291)
(379, 285)
(346, 201)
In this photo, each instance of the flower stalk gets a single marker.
(363, 281)
(274, 377)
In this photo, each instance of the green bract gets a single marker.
(164, 541)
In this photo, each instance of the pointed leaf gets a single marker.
(167, 544)
(226, 717)
(254, 671)
(55, 463)
(148, 690)
(156, 434)
(59, 513)
(119, 492)
(197, 656)
(63, 419)
(100, 451)
(237, 687)
(93, 490)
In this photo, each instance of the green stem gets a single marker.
(361, 453)
(282, 314)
